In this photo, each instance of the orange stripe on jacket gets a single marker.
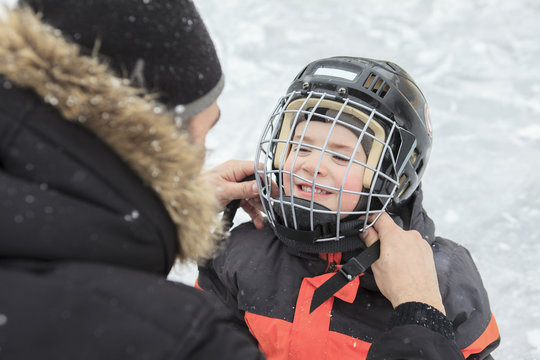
(273, 335)
(489, 335)
(309, 336)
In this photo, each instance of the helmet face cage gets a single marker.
(282, 143)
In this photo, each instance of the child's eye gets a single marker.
(340, 159)
(301, 149)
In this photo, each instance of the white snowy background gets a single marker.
(478, 64)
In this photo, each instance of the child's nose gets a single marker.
(315, 163)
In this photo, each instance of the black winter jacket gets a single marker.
(270, 288)
(85, 243)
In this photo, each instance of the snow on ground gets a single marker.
(477, 63)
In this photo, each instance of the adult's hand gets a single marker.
(405, 270)
(227, 179)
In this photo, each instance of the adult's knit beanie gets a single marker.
(162, 46)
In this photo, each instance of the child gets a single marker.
(348, 144)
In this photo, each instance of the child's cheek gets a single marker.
(353, 183)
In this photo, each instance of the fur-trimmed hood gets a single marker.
(143, 133)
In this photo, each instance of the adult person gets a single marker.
(100, 184)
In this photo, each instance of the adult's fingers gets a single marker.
(256, 203)
(369, 236)
(232, 170)
(385, 224)
(227, 179)
(239, 190)
(254, 214)
(240, 169)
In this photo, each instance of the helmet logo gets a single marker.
(339, 73)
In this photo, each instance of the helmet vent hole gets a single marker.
(384, 90)
(419, 166)
(414, 156)
(403, 185)
(369, 80)
(404, 189)
(376, 85)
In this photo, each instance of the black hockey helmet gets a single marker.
(379, 103)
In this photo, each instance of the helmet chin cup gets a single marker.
(315, 228)
(303, 214)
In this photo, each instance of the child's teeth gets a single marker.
(309, 188)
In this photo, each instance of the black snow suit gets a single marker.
(271, 287)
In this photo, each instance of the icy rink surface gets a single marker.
(478, 64)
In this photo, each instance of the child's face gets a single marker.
(332, 169)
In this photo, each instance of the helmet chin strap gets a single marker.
(347, 273)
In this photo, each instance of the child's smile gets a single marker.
(309, 189)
